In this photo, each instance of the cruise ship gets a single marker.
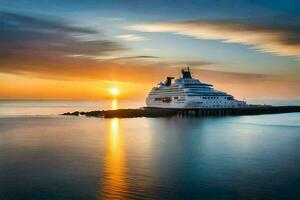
(187, 92)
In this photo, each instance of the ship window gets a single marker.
(158, 99)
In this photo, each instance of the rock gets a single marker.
(163, 112)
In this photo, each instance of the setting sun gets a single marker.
(114, 91)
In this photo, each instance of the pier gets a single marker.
(205, 112)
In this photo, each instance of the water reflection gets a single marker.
(150, 158)
(114, 104)
(114, 185)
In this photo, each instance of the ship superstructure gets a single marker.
(188, 92)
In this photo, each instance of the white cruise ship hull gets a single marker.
(195, 102)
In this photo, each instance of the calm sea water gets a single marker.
(47, 156)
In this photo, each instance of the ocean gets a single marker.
(44, 155)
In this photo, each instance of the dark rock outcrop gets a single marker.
(161, 112)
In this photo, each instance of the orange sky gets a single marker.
(17, 87)
(240, 85)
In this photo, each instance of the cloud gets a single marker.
(128, 58)
(125, 70)
(131, 37)
(12, 20)
(51, 49)
(278, 40)
(28, 38)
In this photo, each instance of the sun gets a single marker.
(114, 91)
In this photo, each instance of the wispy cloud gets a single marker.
(279, 40)
(131, 37)
(48, 49)
(30, 38)
(38, 47)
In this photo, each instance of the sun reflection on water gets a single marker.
(114, 104)
(114, 185)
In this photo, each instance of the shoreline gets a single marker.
(169, 112)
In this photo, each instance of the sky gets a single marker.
(73, 49)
